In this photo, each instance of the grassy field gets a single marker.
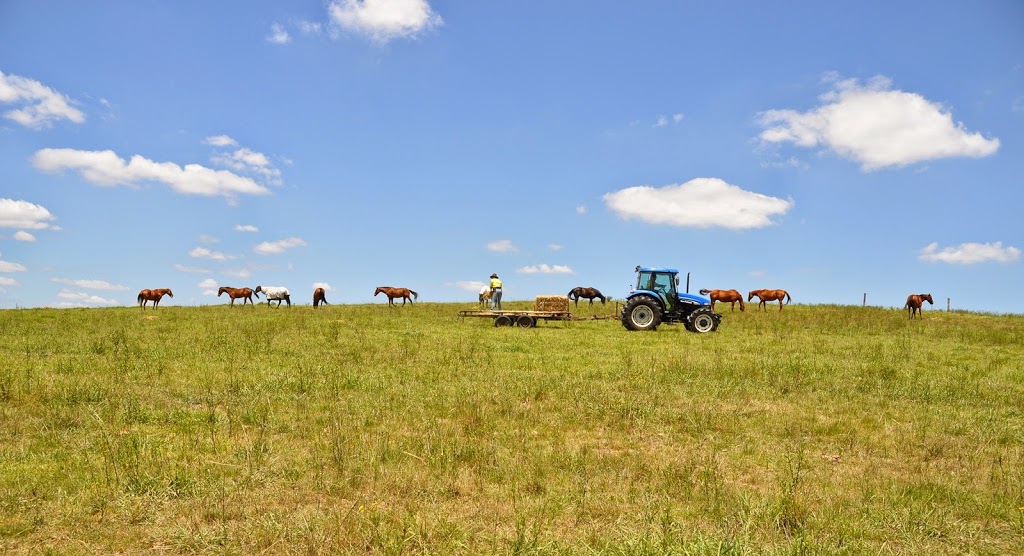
(369, 429)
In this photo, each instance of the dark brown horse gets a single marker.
(234, 293)
(769, 295)
(590, 293)
(319, 296)
(145, 296)
(725, 296)
(915, 304)
(394, 293)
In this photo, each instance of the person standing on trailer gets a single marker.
(495, 292)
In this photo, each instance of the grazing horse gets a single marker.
(319, 296)
(393, 293)
(485, 296)
(234, 293)
(915, 304)
(274, 293)
(725, 296)
(769, 295)
(590, 293)
(145, 296)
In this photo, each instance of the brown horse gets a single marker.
(485, 296)
(319, 296)
(915, 304)
(725, 296)
(769, 295)
(394, 293)
(235, 293)
(590, 293)
(145, 296)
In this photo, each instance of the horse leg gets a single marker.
(780, 305)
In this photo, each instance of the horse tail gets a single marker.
(788, 298)
(140, 298)
(571, 293)
(414, 294)
(705, 292)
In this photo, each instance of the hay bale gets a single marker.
(551, 303)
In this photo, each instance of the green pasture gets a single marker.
(372, 429)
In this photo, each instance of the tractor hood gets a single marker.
(689, 297)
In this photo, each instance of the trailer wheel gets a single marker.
(503, 320)
(526, 321)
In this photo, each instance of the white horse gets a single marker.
(485, 295)
(274, 293)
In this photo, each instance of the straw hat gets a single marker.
(495, 275)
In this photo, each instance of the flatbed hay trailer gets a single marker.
(522, 319)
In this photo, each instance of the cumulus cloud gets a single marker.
(698, 203)
(24, 215)
(278, 35)
(876, 126)
(277, 247)
(327, 287)
(545, 269)
(204, 253)
(502, 246)
(664, 120)
(22, 235)
(970, 253)
(383, 20)
(90, 284)
(581, 209)
(8, 266)
(106, 168)
(82, 298)
(8, 282)
(473, 286)
(220, 141)
(554, 247)
(250, 162)
(39, 105)
(246, 228)
(209, 286)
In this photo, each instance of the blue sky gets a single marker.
(829, 149)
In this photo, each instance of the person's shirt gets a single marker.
(495, 283)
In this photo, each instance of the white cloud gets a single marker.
(277, 247)
(678, 117)
(24, 215)
(661, 122)
(8, 266)
(698, 203)
(664, 120)
(238, 273)
(40, 105)
(246, 228)
(470, 285)
(545, 269)
(970, 253)
(502, 246)
(8, 282)
(278, 35)
(183, 268)
(327, 287)
(22, 235)
(84, 298)
(208, 283)
(309, 27)
(220, 141)
(107, 169)
(876, 126)
(91, 284)
(581, 209)
(383, 20)
(554, 247)
(249, 161)
(204, 253)
(208, 239)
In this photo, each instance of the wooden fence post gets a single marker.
(947, 304)
(865, 299)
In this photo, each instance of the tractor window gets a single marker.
(662, 283)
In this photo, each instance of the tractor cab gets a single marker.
(660, 281)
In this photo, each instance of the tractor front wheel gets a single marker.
(641, 313)
(701, 321)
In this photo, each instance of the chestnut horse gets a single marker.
(235, 293)
(725, 296)
(769, 295)
(394, 293)
(915, 304)
(590, 293)
(145, 296)
(319, 296)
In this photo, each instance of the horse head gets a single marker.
(169, 292)
(378, 290)
(927, 297)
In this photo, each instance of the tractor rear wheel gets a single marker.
(641, 313)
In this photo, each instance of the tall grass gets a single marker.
(821, 429)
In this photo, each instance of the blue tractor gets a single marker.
(655, 300)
